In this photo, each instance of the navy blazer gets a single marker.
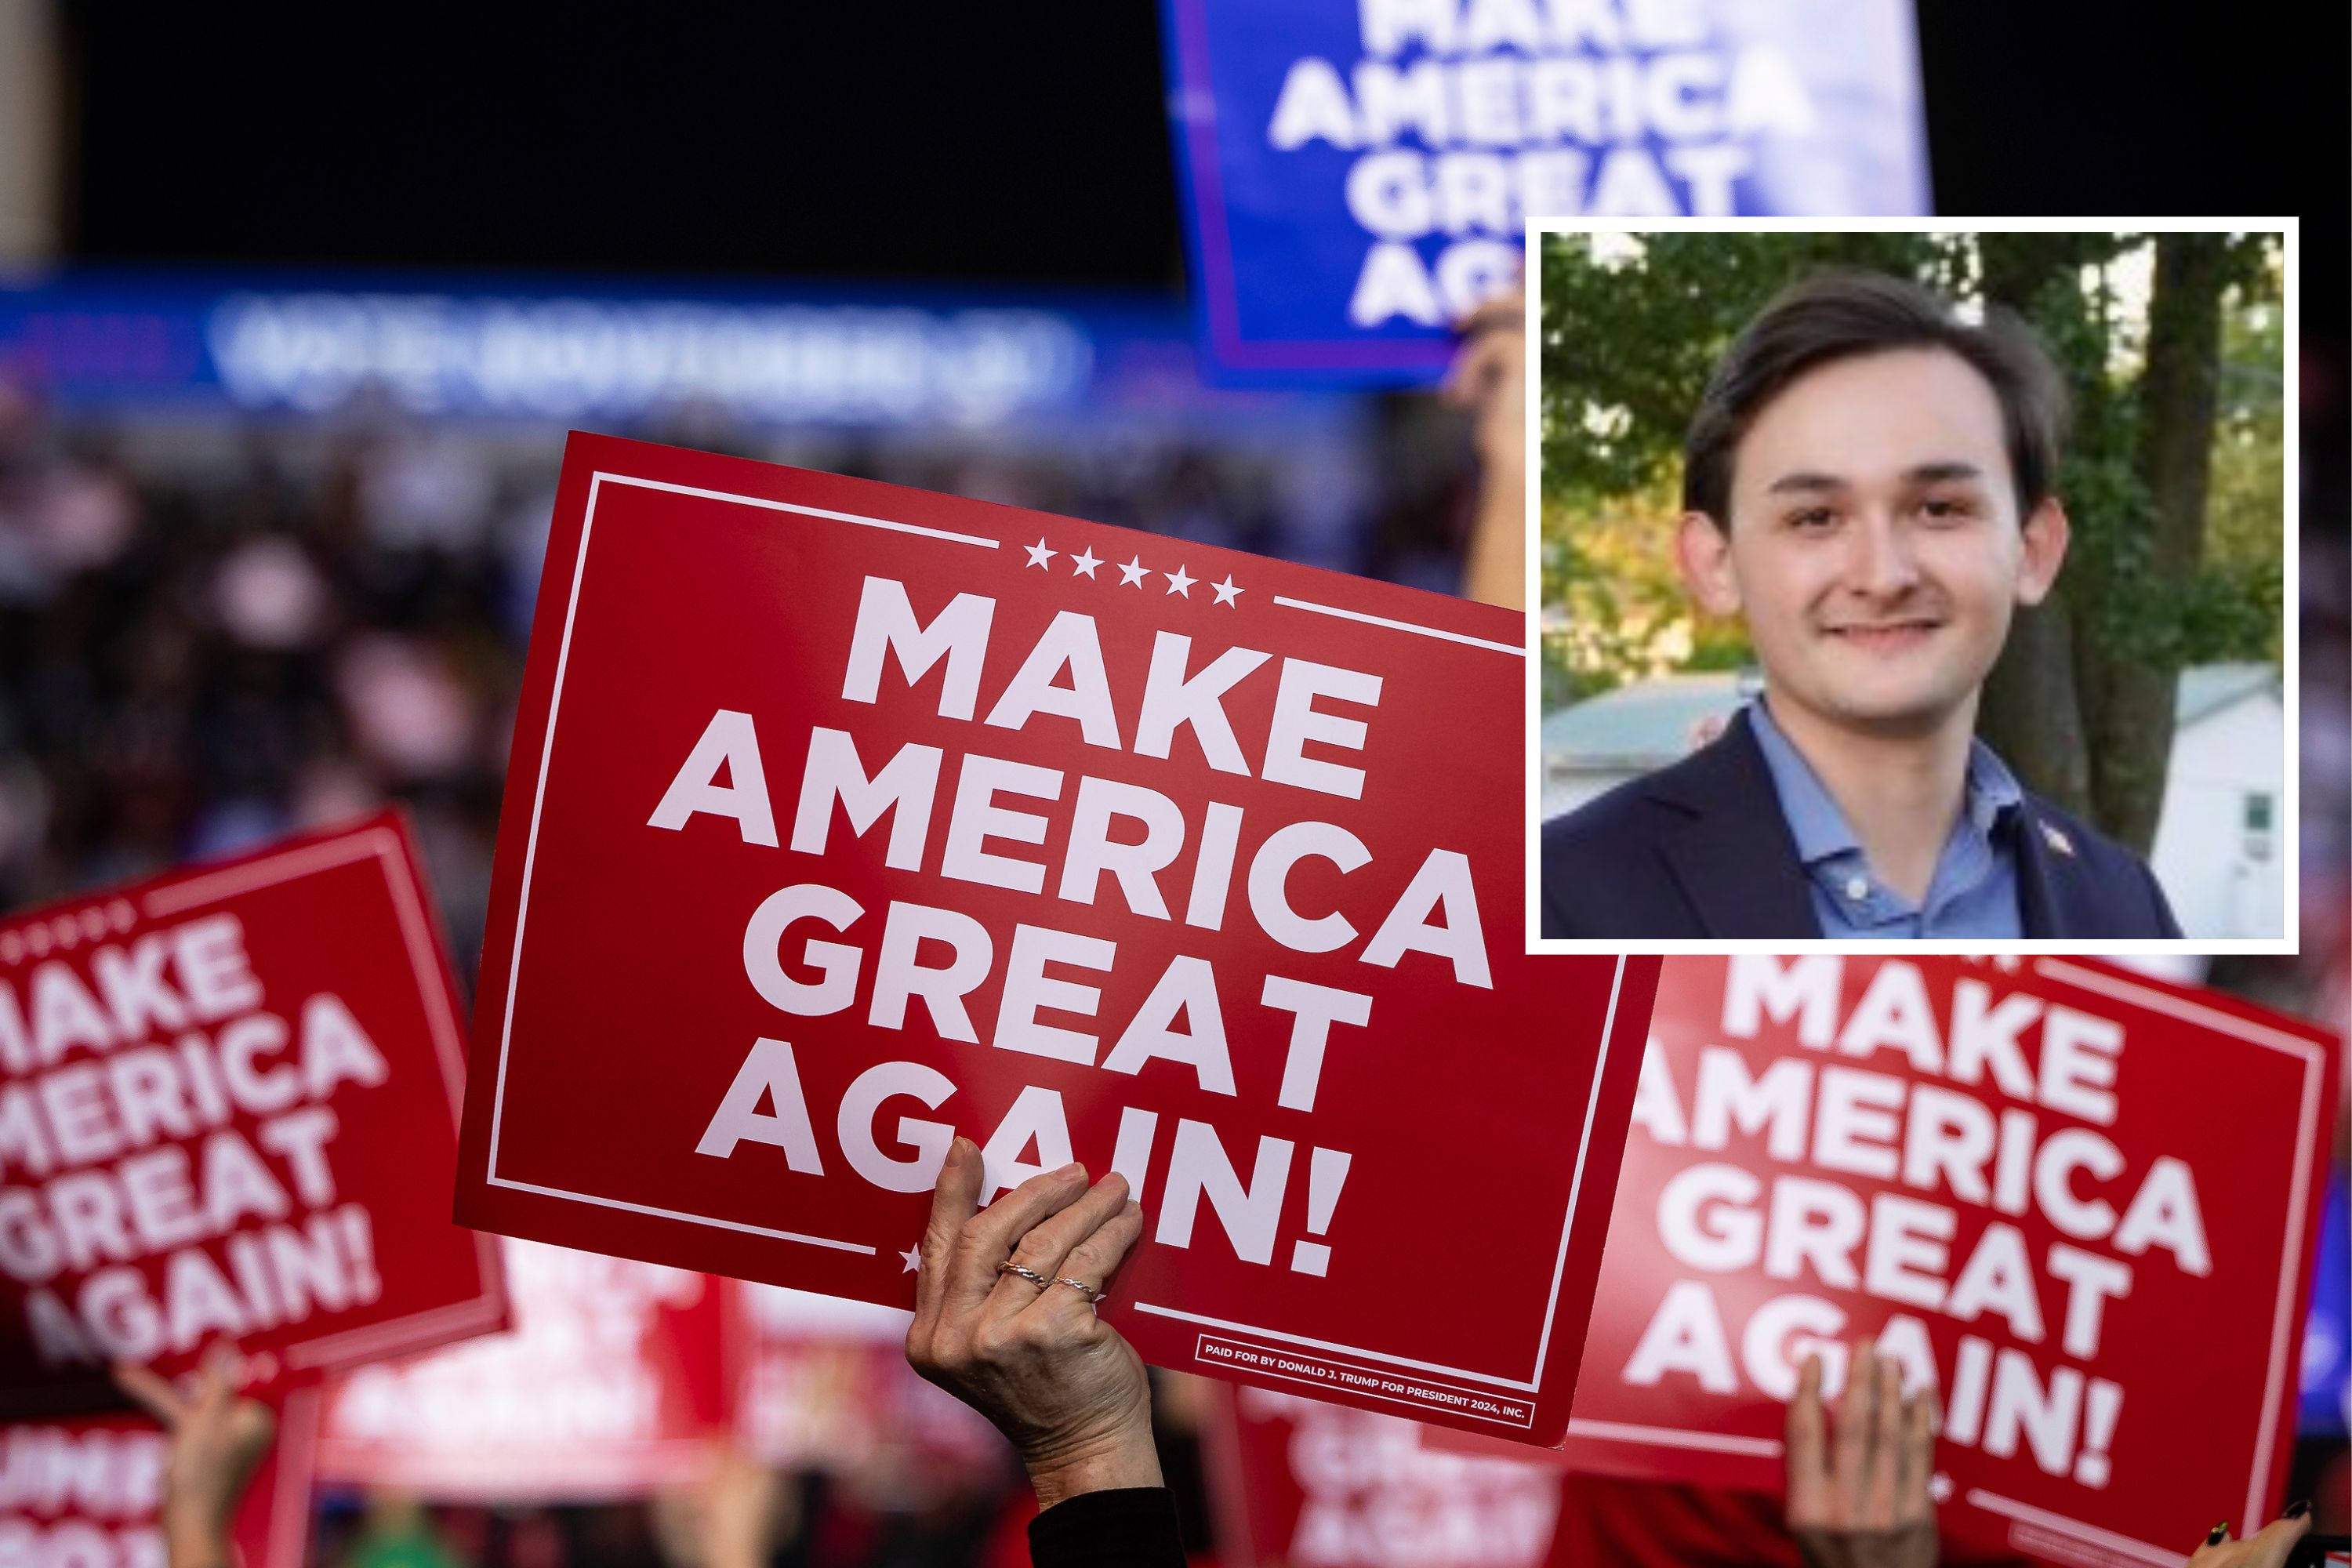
(1700, 849)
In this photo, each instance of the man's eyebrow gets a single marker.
(1803, 483)
(1944, 473)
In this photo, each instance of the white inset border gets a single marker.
(1529, 1385)
(419, 1329)
(2281, 1348)
(538, 804)
(522, 907)
(2290, 674)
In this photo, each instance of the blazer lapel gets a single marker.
(2053, 900)
(1734, 863)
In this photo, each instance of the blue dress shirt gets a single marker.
(1974, 890)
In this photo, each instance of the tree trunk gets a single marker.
(2132, 712)
(2031, 714)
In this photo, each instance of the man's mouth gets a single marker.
(1884, 636)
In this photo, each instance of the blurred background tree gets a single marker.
(2172, 346)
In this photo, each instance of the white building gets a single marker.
(2220, 845)
(2221, 841)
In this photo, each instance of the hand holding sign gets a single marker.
(937, 817)
(1862, 1502)
(1489, 380)
(217, 1441)
(1057, 1381)
(2272, 1546)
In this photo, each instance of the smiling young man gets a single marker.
(1868, 483)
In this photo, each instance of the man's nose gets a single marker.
(1882, 562)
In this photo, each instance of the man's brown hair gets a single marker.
(1841, 314)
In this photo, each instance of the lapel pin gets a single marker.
(2057, 840)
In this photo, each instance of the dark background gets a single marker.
(1005, 144)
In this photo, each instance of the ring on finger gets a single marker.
(1088, 1292)
(1031, 1275)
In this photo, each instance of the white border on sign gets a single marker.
(382, 846)
(1530, 1384)
(2290, 807)
(296, 1453)
(531, 856)
(2282, 1347)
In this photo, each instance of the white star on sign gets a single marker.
(1038, 554)
(1132, 574)
(1178, 583)
(1939, 1487)
(1226, 593)
(914, 1257)
(1082, 564)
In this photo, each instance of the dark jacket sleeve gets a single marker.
(2165, 925)
(1127, 1527)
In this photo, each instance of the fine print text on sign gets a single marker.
(1294, 1481)
(843, 818)
(2077, 1201)
(228, 1101)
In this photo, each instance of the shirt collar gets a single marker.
(1819, 828)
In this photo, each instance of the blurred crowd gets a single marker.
(213, 633)
(217, 633)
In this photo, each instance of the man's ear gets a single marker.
(1703, 552)
(2045, 536)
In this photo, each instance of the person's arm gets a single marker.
(1862, 1502)
(732, 1518)
(1061, 1385)
(217, 1441)
(1489, 377)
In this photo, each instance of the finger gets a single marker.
(1914, 1502)
(2211, 1548)
(219, 1375)
(989, 1235)
(1047, 1245)
(153, 1392)
(1093, 1260)
(1472, 370)
(1886, 1446)
(1856, 1419)
(1807, 1478)
(2270, 1546)
(1506, 308)
(954, 1198)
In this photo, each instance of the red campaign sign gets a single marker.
(87, 1492)
(227, 1109)
(820, 1383)
(610, 1385)
(2081, 1201)
(843, 818)
(1298, 1483)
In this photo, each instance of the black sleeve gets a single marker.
(1127, 1527)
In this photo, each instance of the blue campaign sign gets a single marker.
(1359, 174)
(582, 350)
(2326, 1396)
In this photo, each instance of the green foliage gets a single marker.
(1618, 610)
(1627, 340)
(1630, 332)
(2245, 522)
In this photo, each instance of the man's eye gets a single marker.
(1946, 509)
(1812, 518)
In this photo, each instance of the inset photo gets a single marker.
(1912, 586)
